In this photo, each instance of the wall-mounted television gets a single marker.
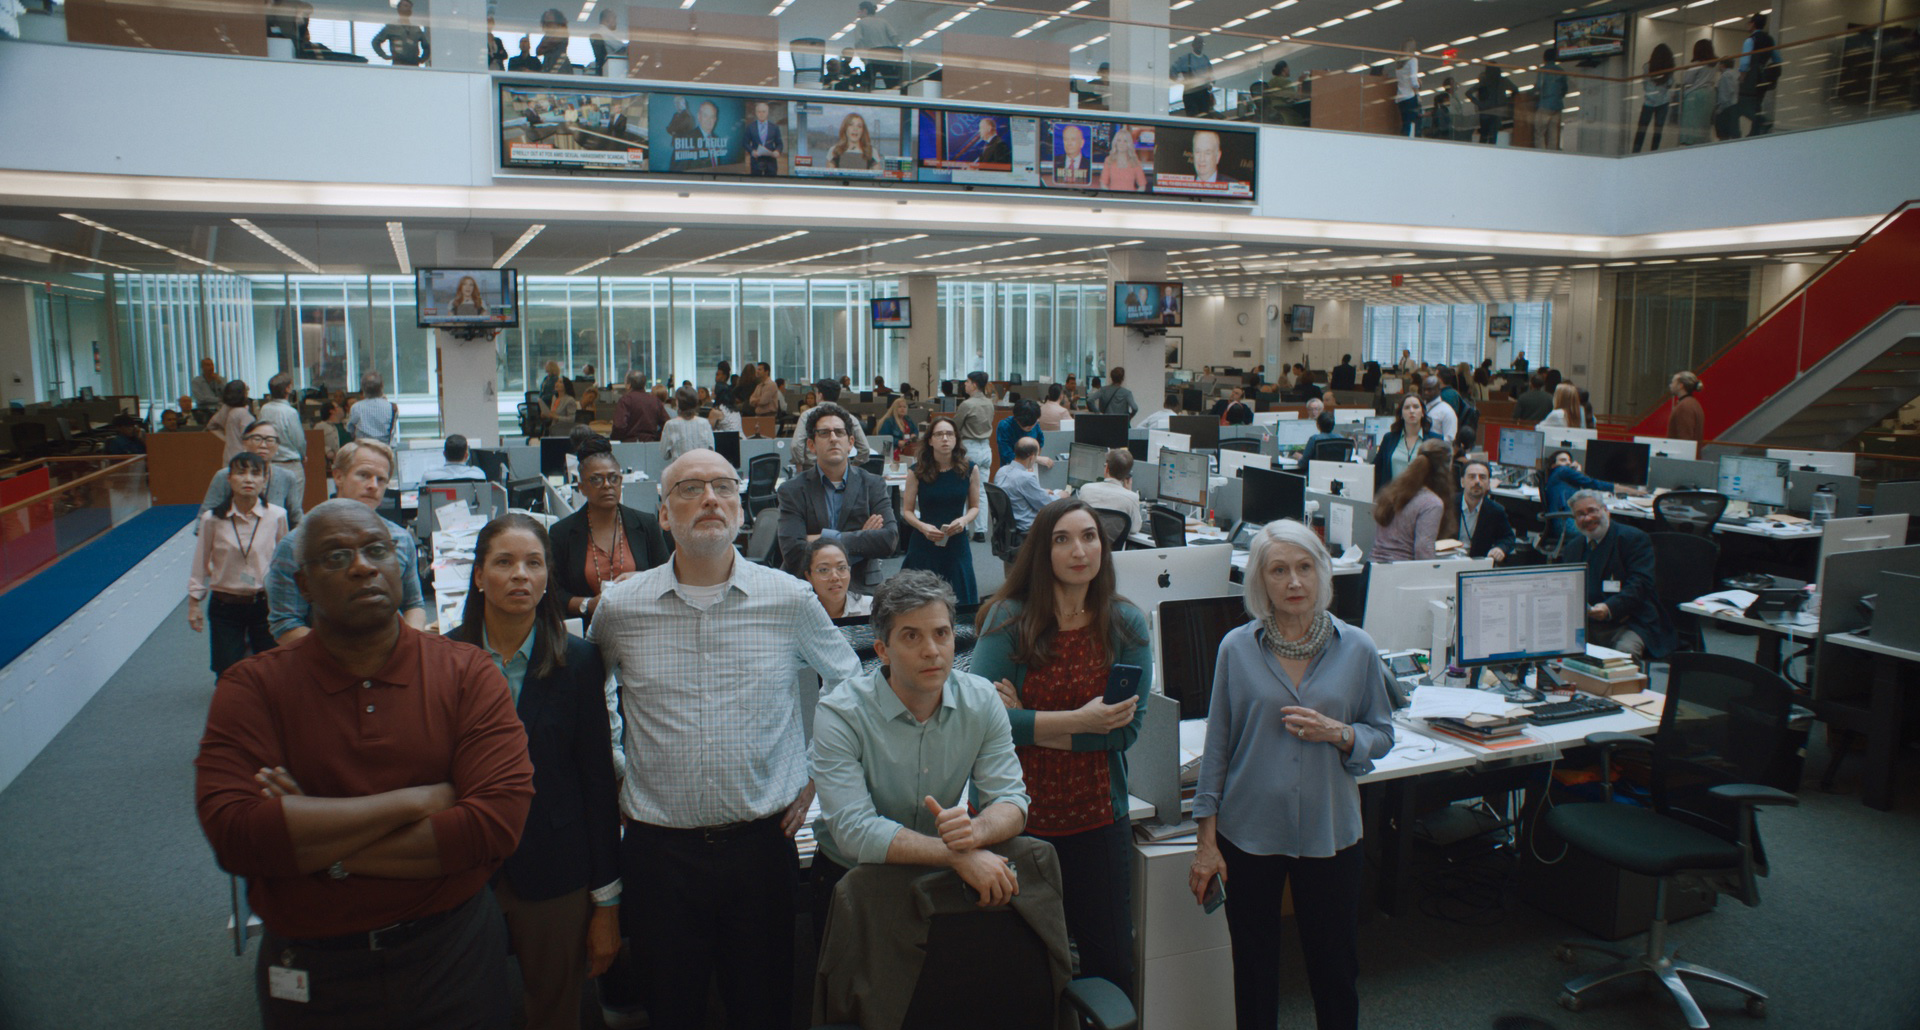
(1500, 325)
(1300, 318)
(851, 141)
(466, 298)
(1148, 304)
(892, 313)
(594, 130)
(1204, 162)
(1591, 35)
(977, 148)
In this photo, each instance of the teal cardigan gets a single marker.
(993, 659)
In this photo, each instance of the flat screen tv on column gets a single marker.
(1148, 304)
(466, 298)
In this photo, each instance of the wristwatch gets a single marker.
(1346, 736)
(338, 870)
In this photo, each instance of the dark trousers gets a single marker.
(822, 878)
(1197, 102)
(1490, 128)
(1409, 116)
(1098, 887)
(1753, 109)
(1650, 113)
(706, 904)
(1326, 908)
(1726, 123)
(235, 631)
(453, 975)
(550, 940)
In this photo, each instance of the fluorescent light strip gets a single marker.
(272, 241)
(49, 285)
(595, 263)
(981, 246)
(16, 242)
(729, 253)
(396, 233)
(91, 224)
(655, 238)
(837, 253)
(525, 238)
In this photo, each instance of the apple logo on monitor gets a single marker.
(1166, 579)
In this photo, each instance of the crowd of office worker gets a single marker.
(390, 794)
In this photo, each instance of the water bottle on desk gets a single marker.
(1822, 504)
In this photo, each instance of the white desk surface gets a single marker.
(1804, 627)
(1626, 506)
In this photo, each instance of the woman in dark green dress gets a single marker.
(940, 500)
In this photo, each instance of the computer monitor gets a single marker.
(1355, 479)
(1569, 439)
(525, 494)
(1146, 479)
(1189, 637)
(1158, 438)
(1183, 477)
(1617, 461)
(1231, 462)
(1521, 448)
(1754, 480)
(1520, 615)
(1346, 520)
(1203, 431)
(1378, 426)
(1190, 399)
(415, 464)
(1291, 437)
(490, 460)
(1086, 463)
(1801, 486)
(1867, 533)
(1355, 416)
(1268, 494)
(726, 442)
(553, 455)
(1680, 474)
(1840, 463)
(1667, 447)
(1151, 576)
(1399, 615)
(1106, 430)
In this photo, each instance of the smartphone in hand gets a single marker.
(1123, 682)
(1216, 895)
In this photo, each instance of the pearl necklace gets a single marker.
(1312, 644)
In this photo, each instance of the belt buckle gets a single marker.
(373, 936)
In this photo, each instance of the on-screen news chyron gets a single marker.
(1148, 304)
(605, 131)
(466, 298)
(892, 313)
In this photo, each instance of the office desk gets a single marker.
(1770, 634)
(1883, 720)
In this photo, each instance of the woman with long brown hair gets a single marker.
(1416, 508)
(1049, 639)
(1567, 412)
(938, 501)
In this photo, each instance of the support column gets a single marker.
(921, 362)
(469, 369)
(1274, 339)
(1139, 57)
(20, 373)
(457, 31)
(1144, 357)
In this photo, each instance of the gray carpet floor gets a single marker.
(113, 914)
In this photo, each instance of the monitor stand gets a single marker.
(1513, 681)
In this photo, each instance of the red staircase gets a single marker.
(1879, 271)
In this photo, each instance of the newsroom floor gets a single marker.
(112, 912)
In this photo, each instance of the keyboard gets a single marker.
(1567, 711)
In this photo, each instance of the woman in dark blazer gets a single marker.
(1396, 452)
(605, 540)
(560, 890)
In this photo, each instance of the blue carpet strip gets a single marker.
(48, 598)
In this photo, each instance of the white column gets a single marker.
(1139, 57)
(20, 376)
(1144, 357)
(921, 364)
(469, 369)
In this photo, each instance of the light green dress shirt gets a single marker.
(874, 763)
(513, 667)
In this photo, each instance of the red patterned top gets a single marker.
(602, 568)
(1070, 790)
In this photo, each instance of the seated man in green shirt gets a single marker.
(894, 754)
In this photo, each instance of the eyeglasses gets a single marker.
(379, 552)
(261, 438)
(842, 569)
(725, 488)
(829, 434)
(603, 479)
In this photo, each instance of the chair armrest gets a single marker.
(1099, 1003)
(1615, 739)
(1753, 794)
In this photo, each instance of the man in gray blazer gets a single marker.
(836, 500)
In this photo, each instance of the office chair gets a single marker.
(1019, 949)
(1167, 527)
(1683, 570)
(1724, 747)
(1244, 446)
(1688, 511)
(529, 422)
(763, 544)
(1555, 532)
(30, 440)
(1113, 524)
(1002, 537)
(1333, 450)
(763, 471)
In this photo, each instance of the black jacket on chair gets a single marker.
(1490, 531)
(570, 543)
(572, 837)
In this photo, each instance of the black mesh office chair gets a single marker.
(763, 471)
(1555, 531)
(1113, 525)
(1166, 526)
(1724, 747)
(1683, 570)
(1333, 450)
(1245, 446)
(1002, 537)
(1688, 511)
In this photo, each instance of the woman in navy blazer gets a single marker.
(1413, 412)
(560, 890)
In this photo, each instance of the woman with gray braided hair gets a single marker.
(1300, 708)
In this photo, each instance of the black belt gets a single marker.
(240, 599)
(721, 833)
(383, 939)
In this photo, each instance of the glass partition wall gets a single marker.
(331, 330)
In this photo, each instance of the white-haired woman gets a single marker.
(1300, 708)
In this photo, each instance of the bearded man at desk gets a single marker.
(1623, 603)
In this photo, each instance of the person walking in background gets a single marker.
(230, 560)
(1759, 74)
(1493, 99)
(940, 498)
(1193, 72)
(1550, 101)
(870, 30)
(1726, 101)
(1414, 511)
(606, 41)
(1567, 411)
(1696, 96)
(639, 415)
(373, 416)
(1114, 398)
(402, 42)
(1687, 420)
(1406, 88)
(552, 51)
(689, 432)
(1656, 93)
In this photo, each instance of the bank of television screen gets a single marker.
(978, 148)
(851, 141)
(1148, 304)
(1300, 318)
(1204, 162)
(1591, 35)
(458, 298)
(577, 130)
(892, 313)
(1088, 154)
(718, 135)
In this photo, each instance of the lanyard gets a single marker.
(246, 551)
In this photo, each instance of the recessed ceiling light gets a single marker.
(396, 234)
(16, 242)
(525, 238)
(183, 255)
(272, 241)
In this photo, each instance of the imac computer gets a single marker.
(1353, 416)
(1839, 463)
(1231, 462)
(1189, 638)
(1354, 479)
(1760, 481)
(1183, 477)
(1570, 439)
(1667, 447)
(1867, 533)
(1105, 430)
(1159, 438)
(1617, 461)
(1268, 494)
(1399, 614)
(1151, 576)
(1086, 463)
(1203, 431)
(1291, 437)
(1508, 616)
(1521, 448)
(1377, 426)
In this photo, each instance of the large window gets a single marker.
(1031, 330)
(1452, 334)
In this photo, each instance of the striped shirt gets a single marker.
(711, 725)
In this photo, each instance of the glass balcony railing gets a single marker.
(52, 506)
(1651, 79)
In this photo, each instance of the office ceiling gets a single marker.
(70, 249)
